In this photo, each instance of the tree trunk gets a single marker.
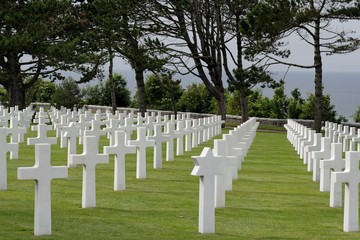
(173, 102)
(111, 81)
(318, 79)
(139, 76)
(221, 107)
(16, 94)
(15, 86)
(244, 107)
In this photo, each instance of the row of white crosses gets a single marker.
(13, 123)
(88, 128)
(218, 167)
(325, 159)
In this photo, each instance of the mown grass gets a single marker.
(274, 198)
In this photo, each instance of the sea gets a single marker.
(343, 87)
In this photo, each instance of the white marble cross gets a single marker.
(111, 128)
(42, 172)
(120, 148)
(84, 125)
(351, 177)
(5, 147)
(170, 142)
(179, 134)
(141, 143)
(195, 130)
(158, 138)
(206, 167)
(95, 129)
(223, 180)
(335, 164)
(128, 127)
(188, 132)
(89, 159)
(59, 130)
(71, 132)
(317, 156)
(16, 132)
(41, 135)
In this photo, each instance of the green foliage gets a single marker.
(38, 39)
(233, 105)
(159, 89)
(196, 98)
(328, 110)
(259, 106)
(41, 91)
(280, 106)
(279, 103)
(99, 94)
(295, 105)
(3, 96)
(357, 115)
(67, 94)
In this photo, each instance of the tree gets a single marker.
(41, 91)
(327, 111)
(37, 39)
(357, 115)
(295, 105)
(67, 94)
(162, 92)
(194, 29)
(279, 103)
(100, 94)
(196, 98)
(312, 22)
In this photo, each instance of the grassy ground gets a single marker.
(274, 198)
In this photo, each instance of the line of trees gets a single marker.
(206, 38)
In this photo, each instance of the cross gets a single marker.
(111, 128)
(5, 147)
(335, 163)
(327, 167)
(158, 139)
(128, 127)
(223, 181)
(89, 159)
(95, 129)
(309, 141)
(234, 150)
(59, 129)
(200, 128)
(141, 143)
(170, 141)
(83, 124)
(315, 147)
(41, 134)
(348, 140)
(179, 134)
(71, 132)
(356, 140)
(188, 131)
(351, 177)
(316, 157)
(120, 148)
(42, 172)
(206, 167)
(16, 132)
(195, 130)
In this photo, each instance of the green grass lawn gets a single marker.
(274, 198)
